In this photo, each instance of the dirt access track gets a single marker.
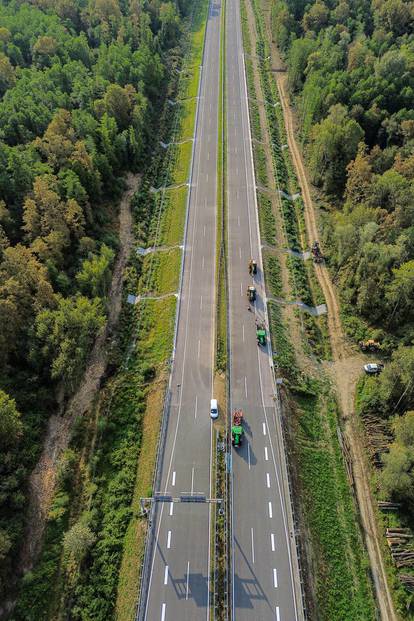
(42, 480)
(347, 365)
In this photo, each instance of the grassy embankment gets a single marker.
(336, 556)
(98, 475)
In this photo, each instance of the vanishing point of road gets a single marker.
(265, 576)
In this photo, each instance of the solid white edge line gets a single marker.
(188, 580)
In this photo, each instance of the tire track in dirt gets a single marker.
(346, 368)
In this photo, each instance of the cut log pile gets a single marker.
(386, 505)
(378, 436)
(407, 581)
(400, 541)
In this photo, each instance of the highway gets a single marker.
(179, 570)
(266, 583)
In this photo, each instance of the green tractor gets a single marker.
(261, 335)
(237, 430)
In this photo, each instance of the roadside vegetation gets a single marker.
(112, 74)
(349, 74)
(337, 581)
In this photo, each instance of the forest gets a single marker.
(80, 87)
(351, 75)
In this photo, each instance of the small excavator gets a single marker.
(369, 345)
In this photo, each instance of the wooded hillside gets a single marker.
(351, 75)
(79, 86)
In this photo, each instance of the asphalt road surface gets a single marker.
(265, 570)
(179, 572)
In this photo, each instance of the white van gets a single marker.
(213, 408)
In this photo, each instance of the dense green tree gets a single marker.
(11, 427)
(66, 334)
(335, 143)
(77, 541)
(400, 291)
(95, 276)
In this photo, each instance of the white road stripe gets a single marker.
(171, 508)
(195, 409)
(169, 540)
(245, 384)
(238, 220)
(199, 348)
(270, 510)
(272, 541)
(252, 545)
(192, 480)
(173, 479)
(163, 613)
(264, 429)
(268, 479)
(240, 253)
(203, 264)
(248, 455)
(243, 333)
(166, 574)
(275, 578)
(277, 613)
(241, 288)
(188, 579)
(266, 455)
(201, 302)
